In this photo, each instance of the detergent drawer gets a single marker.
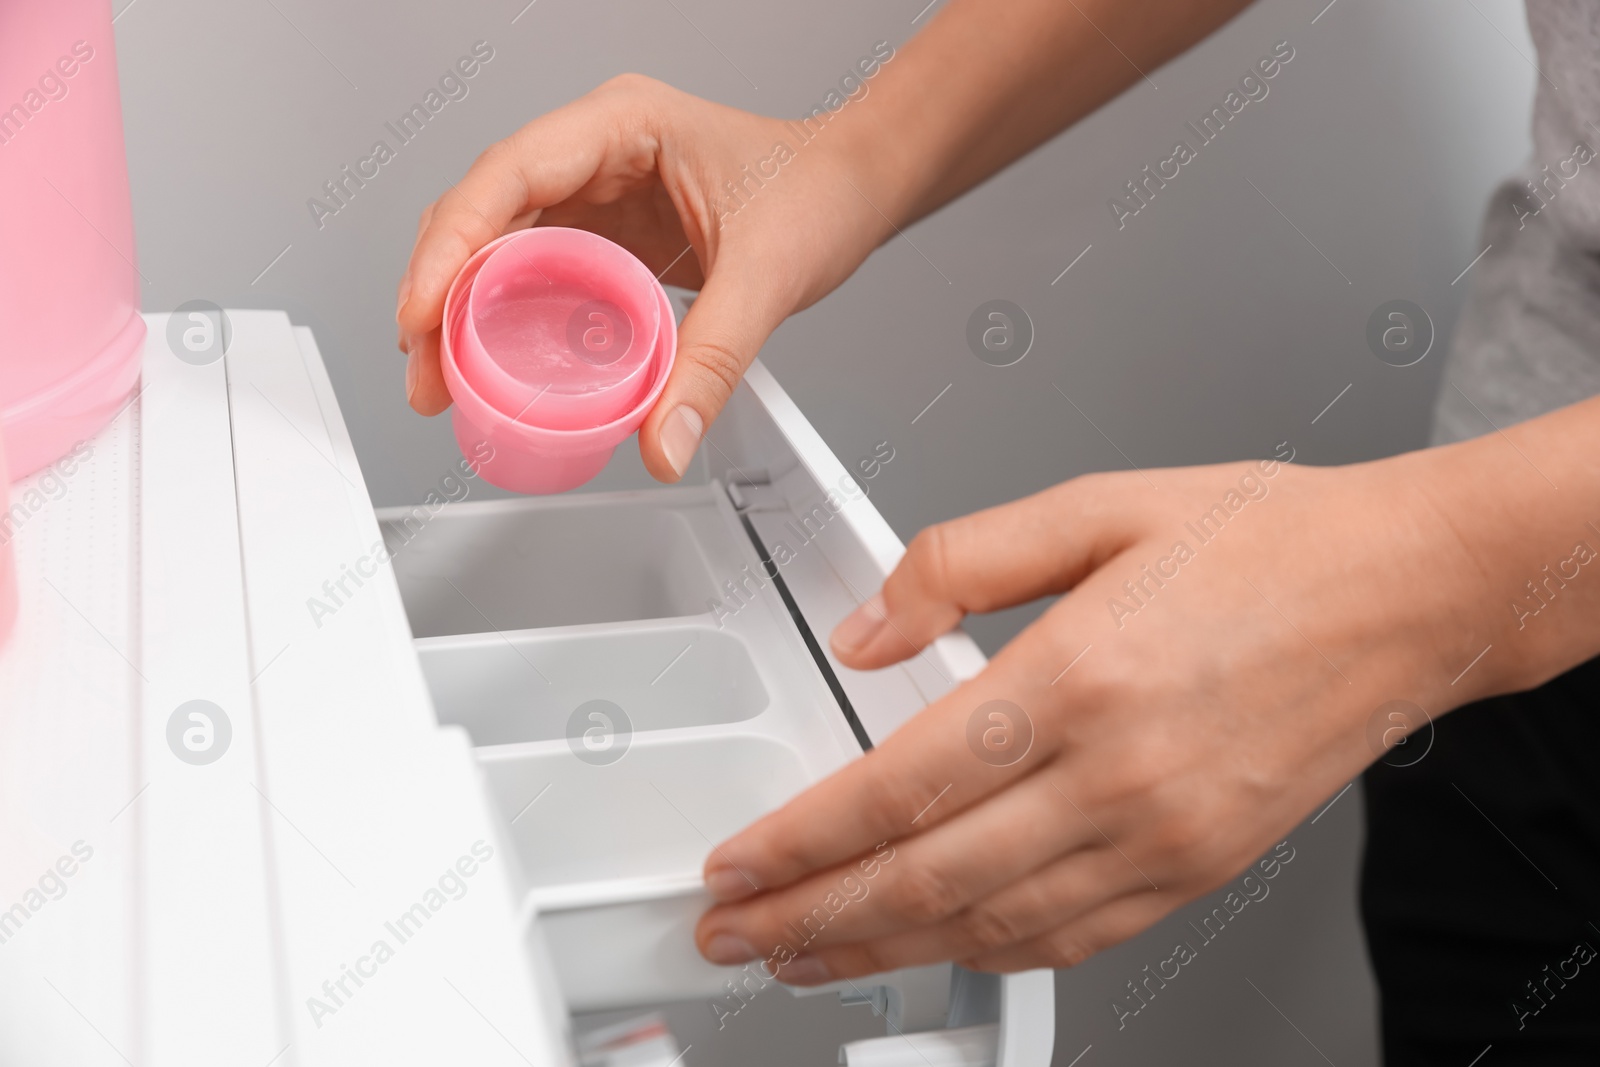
(643, 672)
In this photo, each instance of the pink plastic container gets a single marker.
(556, 343)
(69, 291)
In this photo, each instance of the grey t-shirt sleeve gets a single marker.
(1528, 341)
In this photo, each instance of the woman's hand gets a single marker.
(1205, 684)
(763, 222)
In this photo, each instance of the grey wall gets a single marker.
(1213, 326)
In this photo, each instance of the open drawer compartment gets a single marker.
(624, 720)
(537, 562)
(642, 673)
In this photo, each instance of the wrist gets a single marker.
(886, 171)
(1455, 556)
(1524, 583)
(898, 139)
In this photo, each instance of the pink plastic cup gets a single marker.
(556, 343)
(559, 326)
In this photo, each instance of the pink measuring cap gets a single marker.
(556, 343)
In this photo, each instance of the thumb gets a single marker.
(725, 328)
(992, 559)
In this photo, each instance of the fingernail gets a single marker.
(729, 948)
(411, 376)
(861, 625)
(804, 970)
(405, 294)
(728, 885)
(680, 436)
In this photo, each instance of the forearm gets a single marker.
(986, 82)
(1524, 508)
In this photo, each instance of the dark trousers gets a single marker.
(1480, 888)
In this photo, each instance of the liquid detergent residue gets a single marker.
(556, 335)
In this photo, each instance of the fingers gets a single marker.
(920, 775)
(934, 874)
(1075, 941)
(940, 764)
(877, 798)
(1031, 907)
(726, 326)
(425, 388)
(403, 292)
(542, 164)
(926, 773)
(992, 559)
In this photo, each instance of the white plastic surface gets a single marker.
(971, 1046)
(376, 809)
(208, 971)
(649, 815)
(519, 687)
(68, 726)
(472, 567)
